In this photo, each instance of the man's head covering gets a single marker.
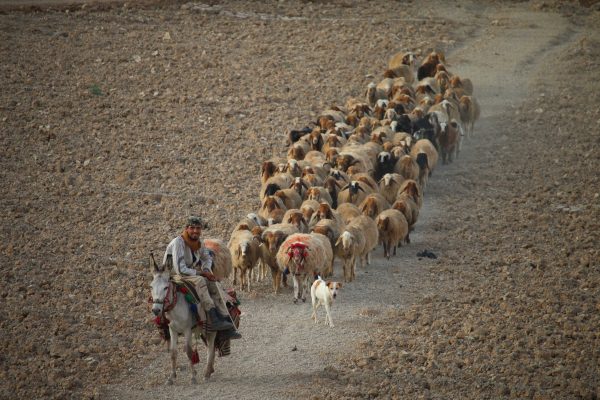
(194, 220)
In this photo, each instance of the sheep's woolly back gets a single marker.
(222, 263)
(348, 211)
(369, 230)
(319, 251)
(396, 229)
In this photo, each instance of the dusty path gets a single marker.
(501, 59)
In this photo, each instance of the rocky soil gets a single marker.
(117, 122)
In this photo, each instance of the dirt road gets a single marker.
(117, 122)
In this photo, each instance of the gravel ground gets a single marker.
(118, 121)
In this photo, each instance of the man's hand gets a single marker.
(209, 276)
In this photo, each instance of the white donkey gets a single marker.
(170, 302)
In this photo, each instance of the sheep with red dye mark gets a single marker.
(305, 255)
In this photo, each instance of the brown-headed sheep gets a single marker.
(304, 255)
(308, 208)
(469, 113)
(295, 217)
(426, 156)
(373, 204)
(407, 167)
(245, 253)
(320, 194)
(410, 210)
(449, 141)
(272, 208)
(271, 240)
(290, 198)
(393, 229)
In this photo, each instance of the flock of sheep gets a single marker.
(355, 178)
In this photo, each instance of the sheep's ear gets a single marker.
(338, 241)
(360, 188)
(346, 187)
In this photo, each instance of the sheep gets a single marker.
(320, 194)
(222, 263)
(298, 150)
(294, 135)
(267, 170)
(333, 141)
(354, 192)
(293, 168)
(271, 240)
(299, 186)
(426, 156)
(393, 229)
(355, 156)
(373, 204)
(389, 185)
(348, 211)
(275, 183)
(404, 64)
(272, 207)
(410, 210)
(449, 141)
(315, 140)
(332, 186)
(348, 247)
(369, 229)
(429, 64)
(340, 176)
(332, 155)
(469, 113)
(312, 180)
(289, 197)
(295, 217)
(308, 208)
(407, 167)
(305, 255)
(378, 91)
(465, 84)
(411, 187)
(386, 163)
(245, 253)
(315, 157)
(330, 229)
(367, 179)
(326, 212)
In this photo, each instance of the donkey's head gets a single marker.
(160, 286)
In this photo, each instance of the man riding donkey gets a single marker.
(190, 261)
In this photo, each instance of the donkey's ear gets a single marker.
(154, 268)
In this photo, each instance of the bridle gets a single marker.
(170, 300)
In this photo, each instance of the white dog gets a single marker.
(323, 292)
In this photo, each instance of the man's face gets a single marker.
(194, 231)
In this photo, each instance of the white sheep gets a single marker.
(349, 247)
(245, 254)
(304, 255)
(389, 185)
(371, 234)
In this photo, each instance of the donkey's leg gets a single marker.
(210, 359)
(189, 352)
(173, 352)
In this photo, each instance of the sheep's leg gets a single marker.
(173, 353)
(296, 288)
(235, 274)
(189, 352)
(249, 278)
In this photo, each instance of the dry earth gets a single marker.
(116, 122)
